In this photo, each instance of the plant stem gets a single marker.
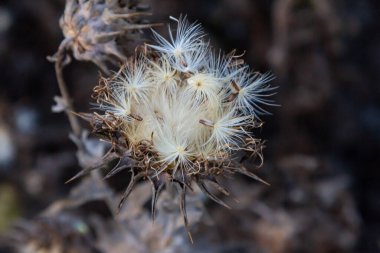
(73, 120)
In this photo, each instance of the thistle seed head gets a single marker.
(181, 112)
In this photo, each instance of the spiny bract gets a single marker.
(179, 113)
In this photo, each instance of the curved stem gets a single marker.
(74, 123)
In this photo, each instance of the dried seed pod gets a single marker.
(98, 31)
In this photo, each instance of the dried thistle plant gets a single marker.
(179, 113)
(92, 28)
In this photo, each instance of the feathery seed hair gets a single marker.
(179, 113)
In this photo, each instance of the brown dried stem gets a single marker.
(74, 123)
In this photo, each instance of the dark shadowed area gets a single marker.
(321, 156)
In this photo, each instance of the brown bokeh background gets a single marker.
(323, 142)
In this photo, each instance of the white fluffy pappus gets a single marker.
(192, 105)
(163, 75)
(251, 90)
(133, 82)
(228, 130)
(188, 37)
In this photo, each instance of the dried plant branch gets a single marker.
(58, 66)
(90, 29)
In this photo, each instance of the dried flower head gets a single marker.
(180, 113)
(92, 28)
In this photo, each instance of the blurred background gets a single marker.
(322, 151)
